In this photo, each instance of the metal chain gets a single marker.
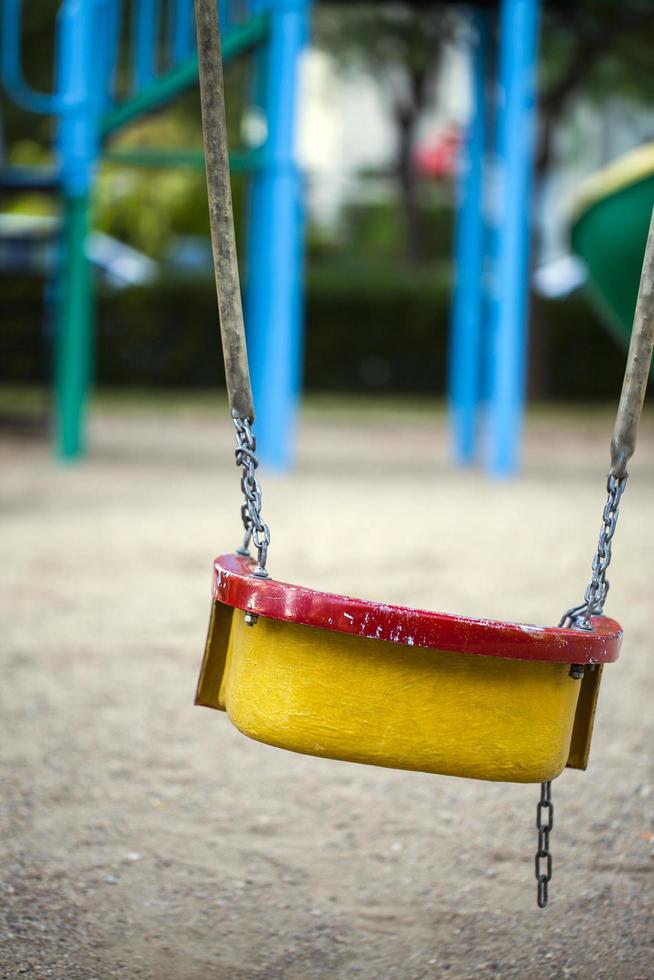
(256, 529)
(544, 824)
(579, 617)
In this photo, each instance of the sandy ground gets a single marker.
(144, 838)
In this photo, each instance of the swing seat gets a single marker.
(344, 678)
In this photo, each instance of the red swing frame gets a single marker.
(235, 585)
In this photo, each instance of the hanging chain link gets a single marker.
(544, 824)
(256, 529)
(579, 617)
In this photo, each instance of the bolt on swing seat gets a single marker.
(327, 675)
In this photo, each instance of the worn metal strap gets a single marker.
(223, 238)
(225, 260)
(625, 430)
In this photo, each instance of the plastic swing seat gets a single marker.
(327, 675)
(349, 679)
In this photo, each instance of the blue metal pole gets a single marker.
(144, 29)
(516, 111)
(78, 86)
(467, 304)
(275, 244)
(182, 43)
(225, 12)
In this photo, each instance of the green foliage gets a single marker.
(127, 206)
(373, 231)
(147, 207)
(401, 45)
(376, 329)
(599, 46)
(595, 50)
(387, 40)
(367, 330)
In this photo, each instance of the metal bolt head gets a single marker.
(576, 671)
(250, 619)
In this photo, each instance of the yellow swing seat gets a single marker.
(332, 676)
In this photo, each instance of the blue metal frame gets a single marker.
(83, 92)
(11, 64)
(84, 88)
(516, 105)
(468, 293)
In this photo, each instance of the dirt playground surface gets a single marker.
(141, 837)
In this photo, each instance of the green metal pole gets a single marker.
(74, 332)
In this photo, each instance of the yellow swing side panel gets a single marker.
(213, 670)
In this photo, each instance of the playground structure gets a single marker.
(94, 98)
(91, 101)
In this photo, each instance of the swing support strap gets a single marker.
(223, 237)
(625, 430)
(228, 287)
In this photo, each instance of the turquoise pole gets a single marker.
(74, 332)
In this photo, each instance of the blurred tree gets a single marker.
(400, 45)
(148, 207)
(595, 49)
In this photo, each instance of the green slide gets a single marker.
(609, 229)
